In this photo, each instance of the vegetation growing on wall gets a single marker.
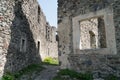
(28, 70)
(51, 61)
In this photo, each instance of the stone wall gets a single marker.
(70, 13)
(88, 31)
(6, 17)
(52, 44)
(22, 35)
(116, 10)
(99, 65)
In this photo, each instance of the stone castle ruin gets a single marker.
(89, 36)
(25, 35)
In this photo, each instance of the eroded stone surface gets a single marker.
(70, 14)
(23, 34)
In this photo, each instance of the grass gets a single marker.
(28, 70)
(73, 74)
(8, 76)
(111, 77)
(66, 74)
(50, 61)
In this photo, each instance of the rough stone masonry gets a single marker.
(89, 36)
(25, 35)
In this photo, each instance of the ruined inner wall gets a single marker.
(88, 60)
(39, 30)
(22, 33)
(52, 44)
(89, 30)
(6, 17)
(19, 34)
(116, 17)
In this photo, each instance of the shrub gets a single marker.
(111, 77)
(8, 76)
(50, 60)
(29, 69)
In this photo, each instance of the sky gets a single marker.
(49, 7)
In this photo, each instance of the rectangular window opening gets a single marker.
(38, 14)
(23, 45)
(92, 33)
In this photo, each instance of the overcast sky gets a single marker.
(49, 8)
